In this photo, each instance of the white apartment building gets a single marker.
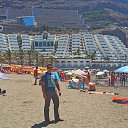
(89, 43)
(103, 45)
(63, 47)
(45, 46)
(76, 42)
(13, 42)
(72, 62)
(26, 42)
(111, 47)
(67, 46)
(3, 42)
(99, 44)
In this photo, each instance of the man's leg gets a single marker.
(35, 83)
(55, 99)
(124, 83)
(46, 108)
(111, 83)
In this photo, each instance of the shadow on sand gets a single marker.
(42, 124)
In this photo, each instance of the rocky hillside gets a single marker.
(118, 9)
(116, 5)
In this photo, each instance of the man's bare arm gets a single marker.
(43, 89)
(58, 87)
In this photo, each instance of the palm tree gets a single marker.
(106, 58)
(52, 59)
(126, 57)
(36, 57)
(92, 56)
(75, 53)
(41, 60)
(29, 57)
(78, 52)
(15, 57)
(1, 57)
(21, 56)
(86, 53)
(7, 56)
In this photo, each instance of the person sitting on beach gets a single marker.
(92, 87)
(84, 82)
(77, 85)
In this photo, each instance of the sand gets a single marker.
(22, 107)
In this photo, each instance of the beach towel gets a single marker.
(120, 100)
(107, 93)
(3, 76)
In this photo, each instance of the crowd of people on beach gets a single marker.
(84, 81)
(113, 78)
(51, 88)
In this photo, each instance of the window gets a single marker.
(44, 43)
(40, 44)
(36, 44)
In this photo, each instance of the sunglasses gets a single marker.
(49, 67)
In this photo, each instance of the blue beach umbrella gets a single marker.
(122, 69)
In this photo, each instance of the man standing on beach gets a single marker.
(112, 79)
(123, 79)
(36, 75)
(49, 84)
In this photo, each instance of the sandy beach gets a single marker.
(22, 107)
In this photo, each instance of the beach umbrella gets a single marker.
(125, 70)
(99, 73)
(66, 72)
(105, 70)
(86, 67)
(122, 69)
(69, 73)
(79, 72)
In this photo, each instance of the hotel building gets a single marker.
(69, 50)
(12, 41)
(45, 46)
(26, 42)
(3, 42)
